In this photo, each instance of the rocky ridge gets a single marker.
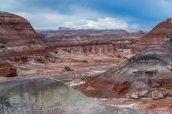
(146, 75)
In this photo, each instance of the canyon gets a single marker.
(84, 71)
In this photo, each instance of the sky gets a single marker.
(91, 14)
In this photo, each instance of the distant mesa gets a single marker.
(66, 28)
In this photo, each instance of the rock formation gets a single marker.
(148, 75)
(17, 35)
(161, 29)
(17, 39)
(7, 69)
(156, 34)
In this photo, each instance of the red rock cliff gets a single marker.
(17, 35)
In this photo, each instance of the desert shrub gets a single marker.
(67, 68)
(169, 36)
(169, 19)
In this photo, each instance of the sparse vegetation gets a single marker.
(169, 20)
(169, 36)
(67, 68)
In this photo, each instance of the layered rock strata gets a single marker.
(17, 35)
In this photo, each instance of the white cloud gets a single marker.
(101, 23)
(81, 18)
(55, 20)
(78, 17)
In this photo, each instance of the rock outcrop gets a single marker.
(7, 69)
(161, 29)
(17, 35)
(17, 40)
(157, 34)
(16, 31)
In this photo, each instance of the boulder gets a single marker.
(139, 94)
(156, 94)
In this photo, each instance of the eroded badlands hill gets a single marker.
(146, 75)
(17, 39)
(48, 96)
(156, 34)
(161, 29)
(17, 35)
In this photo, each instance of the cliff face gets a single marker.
(89, 45)
(87, 49)
(16, 30)
(17, 39)
(17, 34)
